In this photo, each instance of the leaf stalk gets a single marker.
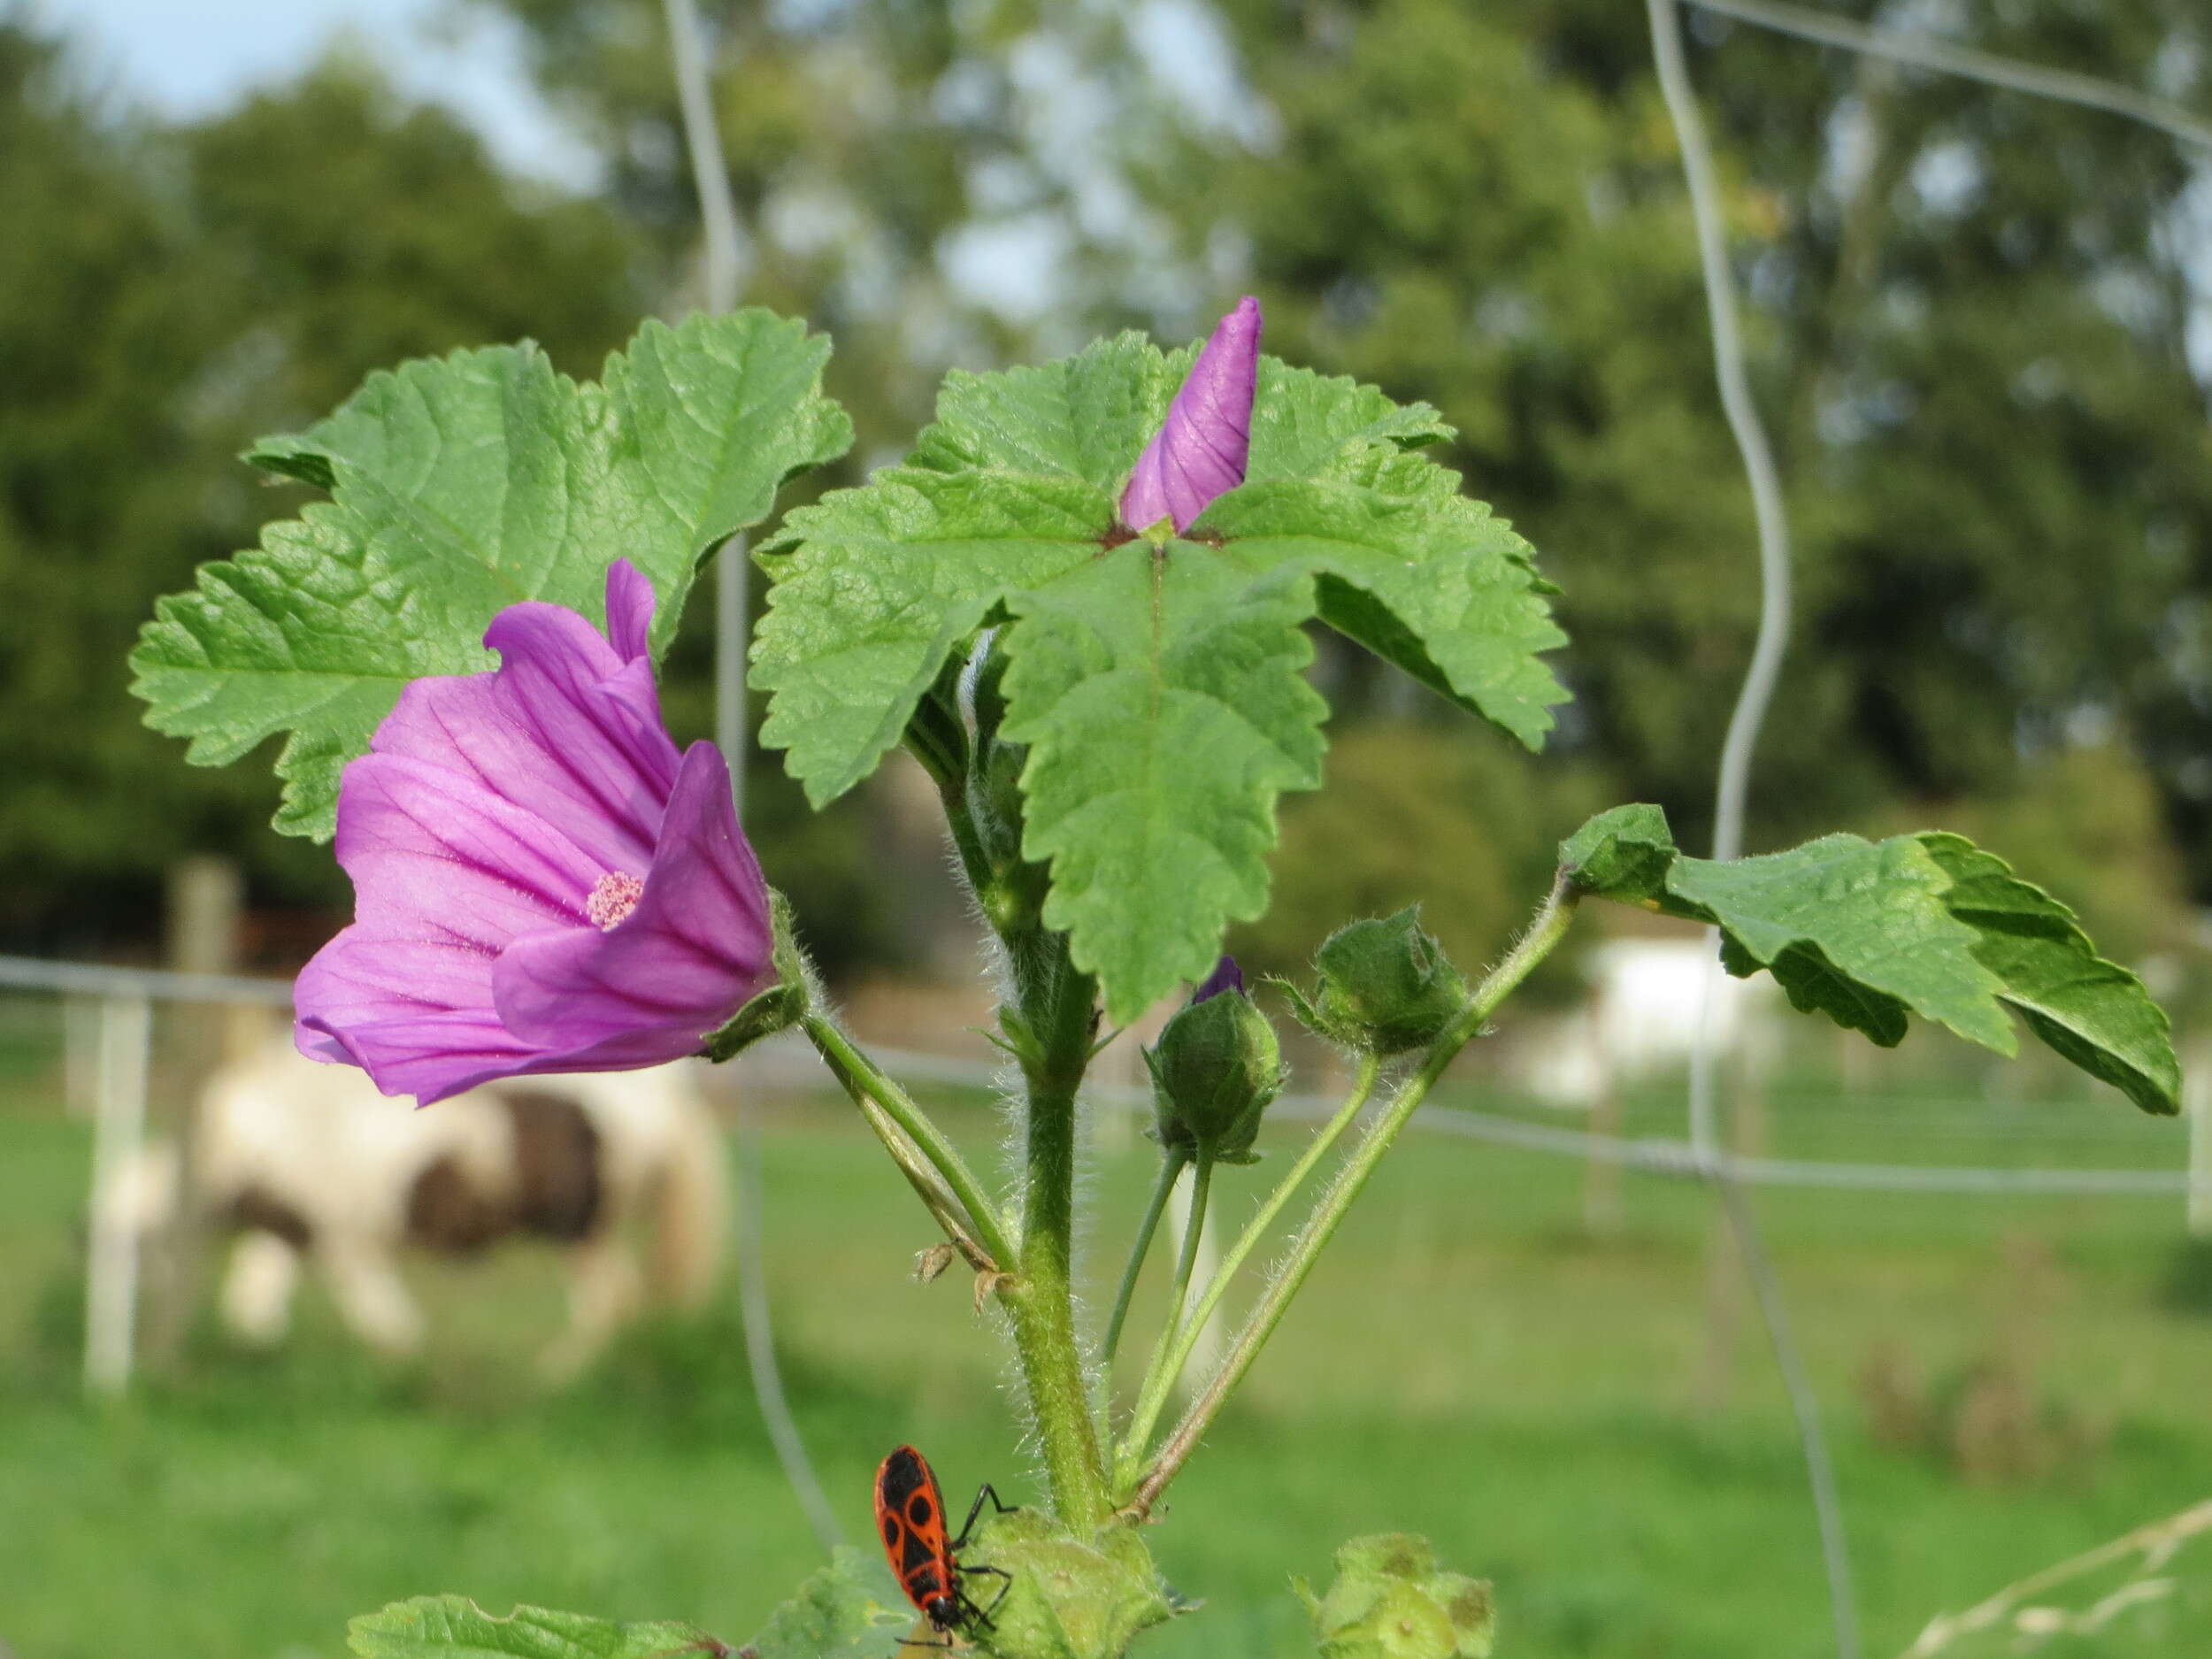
(960, 1203)
(1152, 1394)
(1543, 936)
(1170, 1170)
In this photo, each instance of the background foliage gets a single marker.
(1969, 317)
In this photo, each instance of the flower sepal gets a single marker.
(779, 1008)
(1384, 986)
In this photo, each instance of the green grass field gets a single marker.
(1466, 1364)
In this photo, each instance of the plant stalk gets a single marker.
(1171, 1169)
(867, 1084)
(1543, 936)
(1165, 1366)
(1058, 1006)
(1152, 1394)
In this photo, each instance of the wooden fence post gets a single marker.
(119, 1132)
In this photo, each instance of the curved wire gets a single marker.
(1734, 781)
(1927, 52)
(717, 213)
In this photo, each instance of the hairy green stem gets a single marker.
(862, 1077)
(1152, 1394)
(1172, 1350)
(1058, 1008)
(1543, 934)
(936, 738)
(1170, 1169)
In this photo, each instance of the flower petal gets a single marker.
(1202, 448)
(436, 1058)
(434, 855)
(630, 604)
(693, 952)
(565, 728)
(1226, 976)
(430, 1057)
(363, 978)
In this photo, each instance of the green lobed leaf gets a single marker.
(875, 588)
(1430, 582)
(1854, 929)
(1866, 932)
(460, 486)
(1163, 697)
(2092, 1012)
(853, 1609)
(1007, 513)
(1306, 425)
(454, 1627)
(1089, 415)
(1623, 854)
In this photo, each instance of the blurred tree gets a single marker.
(178, 294)
(356, 230)
(1967, 312)
(932, 181)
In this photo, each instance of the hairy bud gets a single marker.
(1389, 1602)
(1385, 986)
(1066, 1597)
(1214, 1071)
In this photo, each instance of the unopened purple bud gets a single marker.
(1202, 448)
(1226, 976)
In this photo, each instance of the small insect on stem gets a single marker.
(910, 1520)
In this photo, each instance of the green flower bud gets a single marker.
(1385, 986)
(1215, 1070)
(1066, 1598)
(1389, 1602)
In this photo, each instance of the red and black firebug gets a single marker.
(910, 1520)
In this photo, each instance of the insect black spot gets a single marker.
(922, 1585)
(891, 1531)
(919, 1510)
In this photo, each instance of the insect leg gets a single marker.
(970, 1613)
(1006, 1583)
(975, 1509)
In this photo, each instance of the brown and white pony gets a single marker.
(309, 1166)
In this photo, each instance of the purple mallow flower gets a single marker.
(1226, 976)
(541, 883)
(1201, 448)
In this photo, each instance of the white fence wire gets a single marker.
(786, 1062)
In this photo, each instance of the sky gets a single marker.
(192, 57)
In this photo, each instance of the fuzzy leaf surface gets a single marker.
(1854, 929)
(1163, 697)
(1089, 415)
(1431, 582)
(459, 487)
(454, 1627)
(875, 588)
(852, 1608)
(1867, 932)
